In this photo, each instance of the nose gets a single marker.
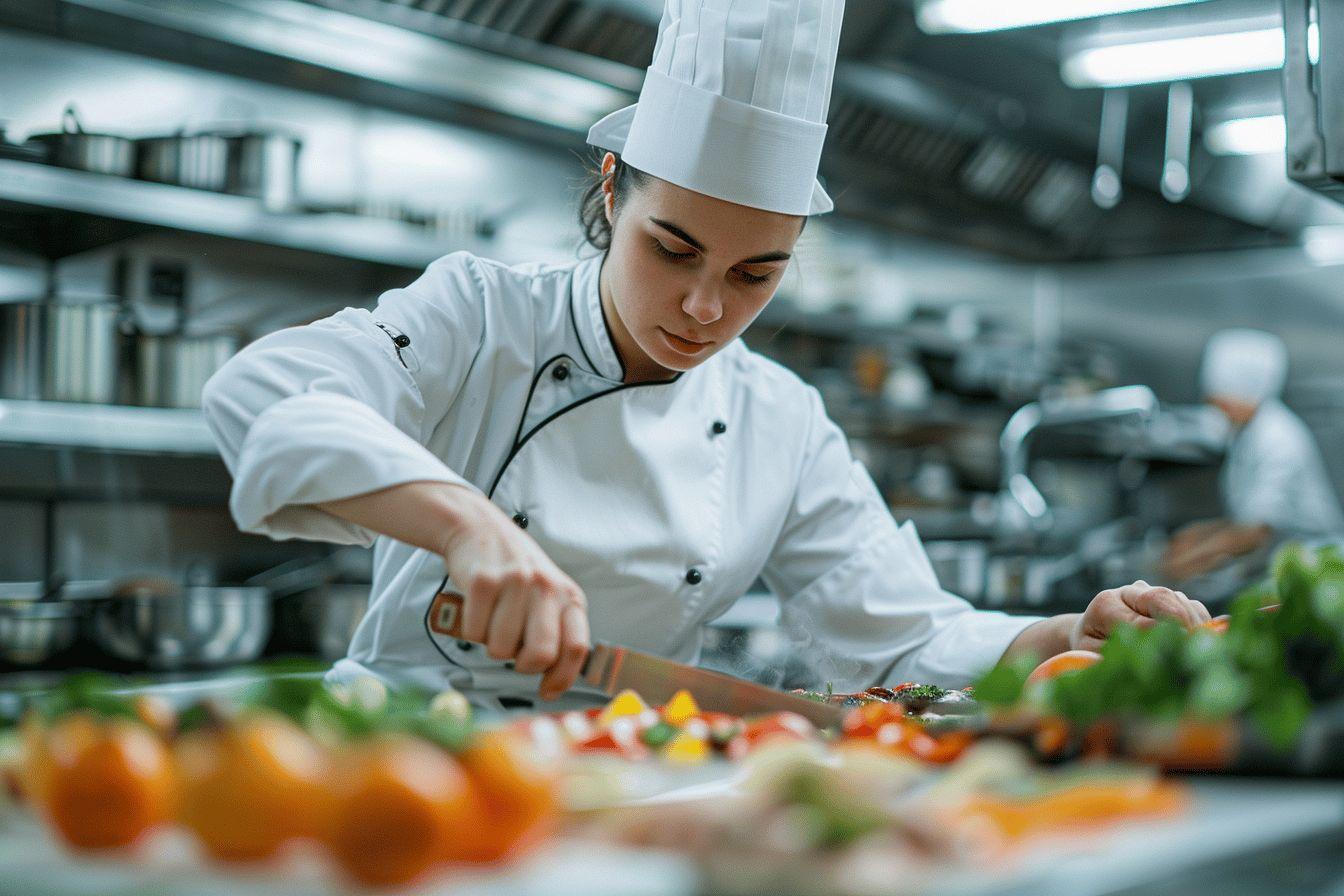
(703, 304)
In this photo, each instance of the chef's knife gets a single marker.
(612, 669)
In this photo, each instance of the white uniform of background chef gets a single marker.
(1274, 482)
(590, 445)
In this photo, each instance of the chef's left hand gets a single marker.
(1139, 604)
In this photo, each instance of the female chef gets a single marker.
(588, 449)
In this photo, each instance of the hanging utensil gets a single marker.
(1180, 124)
(1107, 183)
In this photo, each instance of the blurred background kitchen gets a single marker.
(1040, 223)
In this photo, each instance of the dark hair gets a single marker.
(592, 211)
(592, 207)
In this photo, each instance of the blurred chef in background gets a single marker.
(1274, 483)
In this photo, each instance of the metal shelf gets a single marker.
(62, 192)
(107, 427)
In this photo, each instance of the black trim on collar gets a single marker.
(520, 442)
(574, 322)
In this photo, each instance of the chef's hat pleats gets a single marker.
(823, 72)
(776, 50)
(798, 76)
(668, 29)
(711, 46)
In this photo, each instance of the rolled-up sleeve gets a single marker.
(332, 410)
(859, 598)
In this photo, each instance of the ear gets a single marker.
(609, 187)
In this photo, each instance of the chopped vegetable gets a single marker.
(659, 734)
(686, 748)
(626, 703)
(680, 708)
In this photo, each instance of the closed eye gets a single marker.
(668, 253)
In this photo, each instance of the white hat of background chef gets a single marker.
(734, 104)
(1247, 364)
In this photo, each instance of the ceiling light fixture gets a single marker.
(1247, 136)
(1174, 59)
(951, 16)
(1161, 59)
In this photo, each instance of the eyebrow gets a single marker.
(699, 246)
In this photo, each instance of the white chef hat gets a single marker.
(734, 104)
(1247, 364)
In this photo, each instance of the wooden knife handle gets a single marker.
(445, 615)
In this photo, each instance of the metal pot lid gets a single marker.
(242, 131)
(71, 126)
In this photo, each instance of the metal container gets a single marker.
(321, 620)
(21, 350)
(199, 161)
(73, 147)
(960, 566)
(171, 370)
(32, 632)
(264, 165)
(197, 627)
(82, 350)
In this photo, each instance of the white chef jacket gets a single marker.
(1274, 475)
(762, 482)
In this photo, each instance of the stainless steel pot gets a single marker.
(321, 620)
(82, 349)
(264, 165)
(31, 632)
(21, 350)
(187, 160)
(171, 371)
(195, 627)
(73, 147)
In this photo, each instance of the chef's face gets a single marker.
(686, 273)
(1237, 410)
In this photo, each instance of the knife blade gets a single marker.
(611, 669)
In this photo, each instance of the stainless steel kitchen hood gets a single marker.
(336, 51)
(1313, 90)
(921, 138)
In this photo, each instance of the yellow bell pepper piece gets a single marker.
(686, 749)
(626, 703)
(680, 709)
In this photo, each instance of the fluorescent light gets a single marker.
(1247, 136)
(943, 16)
(1174, 59)
(1324, 243)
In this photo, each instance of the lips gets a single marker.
(682, 344)
(688, 340)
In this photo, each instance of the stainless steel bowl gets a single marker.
(31, 632)
(321, 620)
(198, 627)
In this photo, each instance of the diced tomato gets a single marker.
(867, 720)
(940, 750)
(785, 725)
(613, 740)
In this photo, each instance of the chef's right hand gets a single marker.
(517, 602)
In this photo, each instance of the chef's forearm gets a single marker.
(425, 515)
(1045, 638)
